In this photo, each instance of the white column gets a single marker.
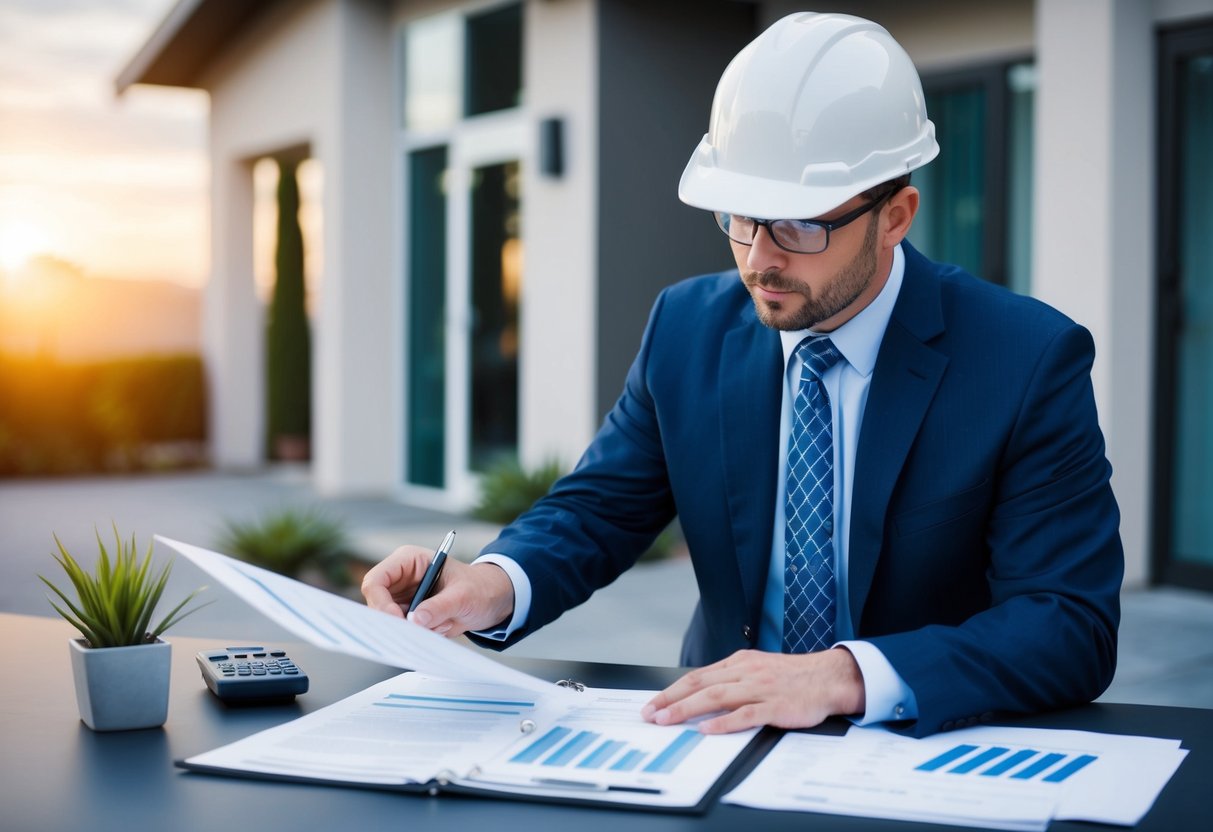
(356, 429)
(232, 320)
(559, 221)
(1094, 216)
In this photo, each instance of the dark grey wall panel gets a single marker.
(658, 67)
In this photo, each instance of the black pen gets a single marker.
(430, 578)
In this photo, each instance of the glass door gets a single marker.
(1183, 515)
(463, 142)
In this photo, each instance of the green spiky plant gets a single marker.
(117, 599)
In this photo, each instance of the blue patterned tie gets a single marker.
(808, 573)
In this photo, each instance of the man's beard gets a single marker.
(836, 296)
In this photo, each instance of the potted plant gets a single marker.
(120, 665)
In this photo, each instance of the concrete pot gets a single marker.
(121, 688)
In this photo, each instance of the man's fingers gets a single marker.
(392, 582)
(379, 598)
(731, 669)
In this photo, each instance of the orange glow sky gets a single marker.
(116, 186)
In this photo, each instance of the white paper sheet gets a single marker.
(344, 626)
(997, 778)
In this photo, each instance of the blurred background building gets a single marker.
(498, 209)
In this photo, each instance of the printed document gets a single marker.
(996, 778)
(344, 626)
(415, 732)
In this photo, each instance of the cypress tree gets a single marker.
(288, 341)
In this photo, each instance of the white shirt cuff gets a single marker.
(522, 596)
(888, 697)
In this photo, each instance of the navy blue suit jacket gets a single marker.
(985, 560)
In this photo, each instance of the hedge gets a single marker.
(74, 418)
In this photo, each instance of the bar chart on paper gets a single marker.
(562, 747)
(1014, 763)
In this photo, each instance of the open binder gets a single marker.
(419, 734)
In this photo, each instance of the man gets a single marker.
(890, 474)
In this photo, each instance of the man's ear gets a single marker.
(898, 215)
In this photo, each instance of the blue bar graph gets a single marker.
(1003, 766)
(1070, 767)
(674, 753)
(563, 746)
(564, 754)
(1017, 764)
(601, 754)
(628, 761)
(533, 751)
(979, 760)
(946, 757)
(1037, 767)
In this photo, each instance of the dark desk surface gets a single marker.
(56, 774)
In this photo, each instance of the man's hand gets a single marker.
(756, 688)
(467, 597)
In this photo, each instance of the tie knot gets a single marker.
(818, 354)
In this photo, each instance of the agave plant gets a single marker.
(117, 600)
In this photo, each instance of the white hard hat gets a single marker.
(815, 110)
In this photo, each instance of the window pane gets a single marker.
(950, 223)
(1021, 92)
(496, 261)
(494, 60)
(432, 49)
(1193, 484)
(426, 313)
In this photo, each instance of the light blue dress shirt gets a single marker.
(887, 695)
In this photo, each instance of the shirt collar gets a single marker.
(859, 338)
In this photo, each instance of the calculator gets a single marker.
(251, 674)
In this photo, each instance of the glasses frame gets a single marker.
(826, 225)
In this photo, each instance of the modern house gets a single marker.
(500, 210)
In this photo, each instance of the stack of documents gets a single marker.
(996, 778)
(464, 723)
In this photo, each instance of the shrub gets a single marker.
(507, 489)
(73, 418)
(288, 340)
(291, 542)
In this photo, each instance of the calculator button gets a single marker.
(278, 654)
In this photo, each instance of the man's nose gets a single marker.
(764, 255)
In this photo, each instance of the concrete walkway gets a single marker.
(1166, 636)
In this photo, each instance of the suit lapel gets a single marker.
(904, 382)
(751, 368)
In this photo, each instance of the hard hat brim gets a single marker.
(712, 188)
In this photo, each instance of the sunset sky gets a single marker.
(117, 186)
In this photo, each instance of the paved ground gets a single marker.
(1166, 634)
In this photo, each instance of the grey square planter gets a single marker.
(121, 688)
